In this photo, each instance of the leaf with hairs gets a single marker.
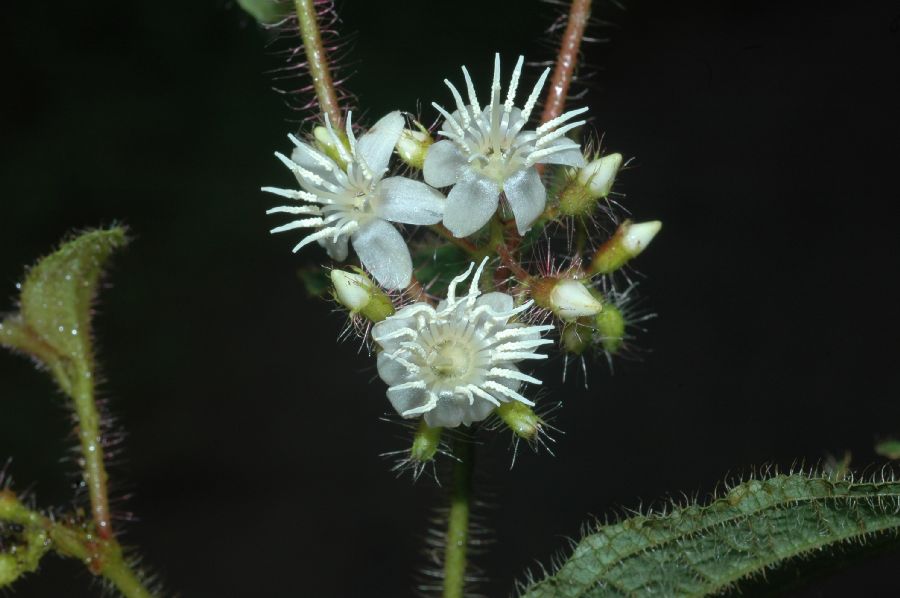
(54, 320)
(697, 550)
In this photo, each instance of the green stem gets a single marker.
(93, 469)
(102, 557)
(317, 60)
(458, 525)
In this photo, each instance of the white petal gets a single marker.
(527, 197)
(442, 164)
(511, 383)
(376, 145)
(405, 399)
(337, 250)
(383, 252)
(319, 164)
(499, 302)
(471, 203)
(447, 414)
(477, 411)
(400, 199)
(388, 327)
(391, 371)
(571, 156)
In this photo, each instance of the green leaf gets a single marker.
(700, 550)
(888, 448)
(54, 320)
(436, 266)
(267, 11)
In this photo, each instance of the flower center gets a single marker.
(451, 359)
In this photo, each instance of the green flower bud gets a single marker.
(628, 242)
(357, 292)
(9, 570)
(610, 324)
(425, 443)
(326, 143)
(576, 336)
(594, 181)
(520, 418)
(413, 145)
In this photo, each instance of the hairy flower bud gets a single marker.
(566, 297)
(599, 175)
(521, 419)
(413, 146)
(628, 242)
(425, 443)
(576, 336)
(356, 292)
(594, 181)
(610, 325)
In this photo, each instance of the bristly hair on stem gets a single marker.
(310, 80)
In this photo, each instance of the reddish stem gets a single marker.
(579, 13)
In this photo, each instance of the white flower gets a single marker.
(487, 152)
(456, 362)
(354, 291)
(356, 203)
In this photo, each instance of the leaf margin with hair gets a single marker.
(663, 553)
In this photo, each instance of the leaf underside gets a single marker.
(696, 550)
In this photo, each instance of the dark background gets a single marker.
(765, 136)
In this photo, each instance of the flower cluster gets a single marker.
(449, 358)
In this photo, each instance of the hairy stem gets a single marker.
(317, 60)
(102, 557)
(93, 468)
(458, 525)
(579, 13)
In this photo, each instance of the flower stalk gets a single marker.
(93, 468)
(455, 557)
(317, 60)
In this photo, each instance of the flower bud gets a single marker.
(576, 336)
(566, 297)
(425, 443)
(628, 242)
(599, 175)
(569, 299)
(520, 419)
(610, 325)
(593, 182)
(326, 142)
(356, 292)
(413, 145)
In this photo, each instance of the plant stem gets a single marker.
(579, 13)
(93, 468)
(102, 557)
(317, 60)
(458, 525)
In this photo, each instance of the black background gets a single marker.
(765, 136)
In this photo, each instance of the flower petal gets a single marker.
(316, 162)
(448, 413)
(376, 145)
(471, 203)
(526, 196)
(442, 164)
(337, 250)
(571, 156)
(404, 399)
(390, 370)
(499, 302)
(404, 200)
(384, 253)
